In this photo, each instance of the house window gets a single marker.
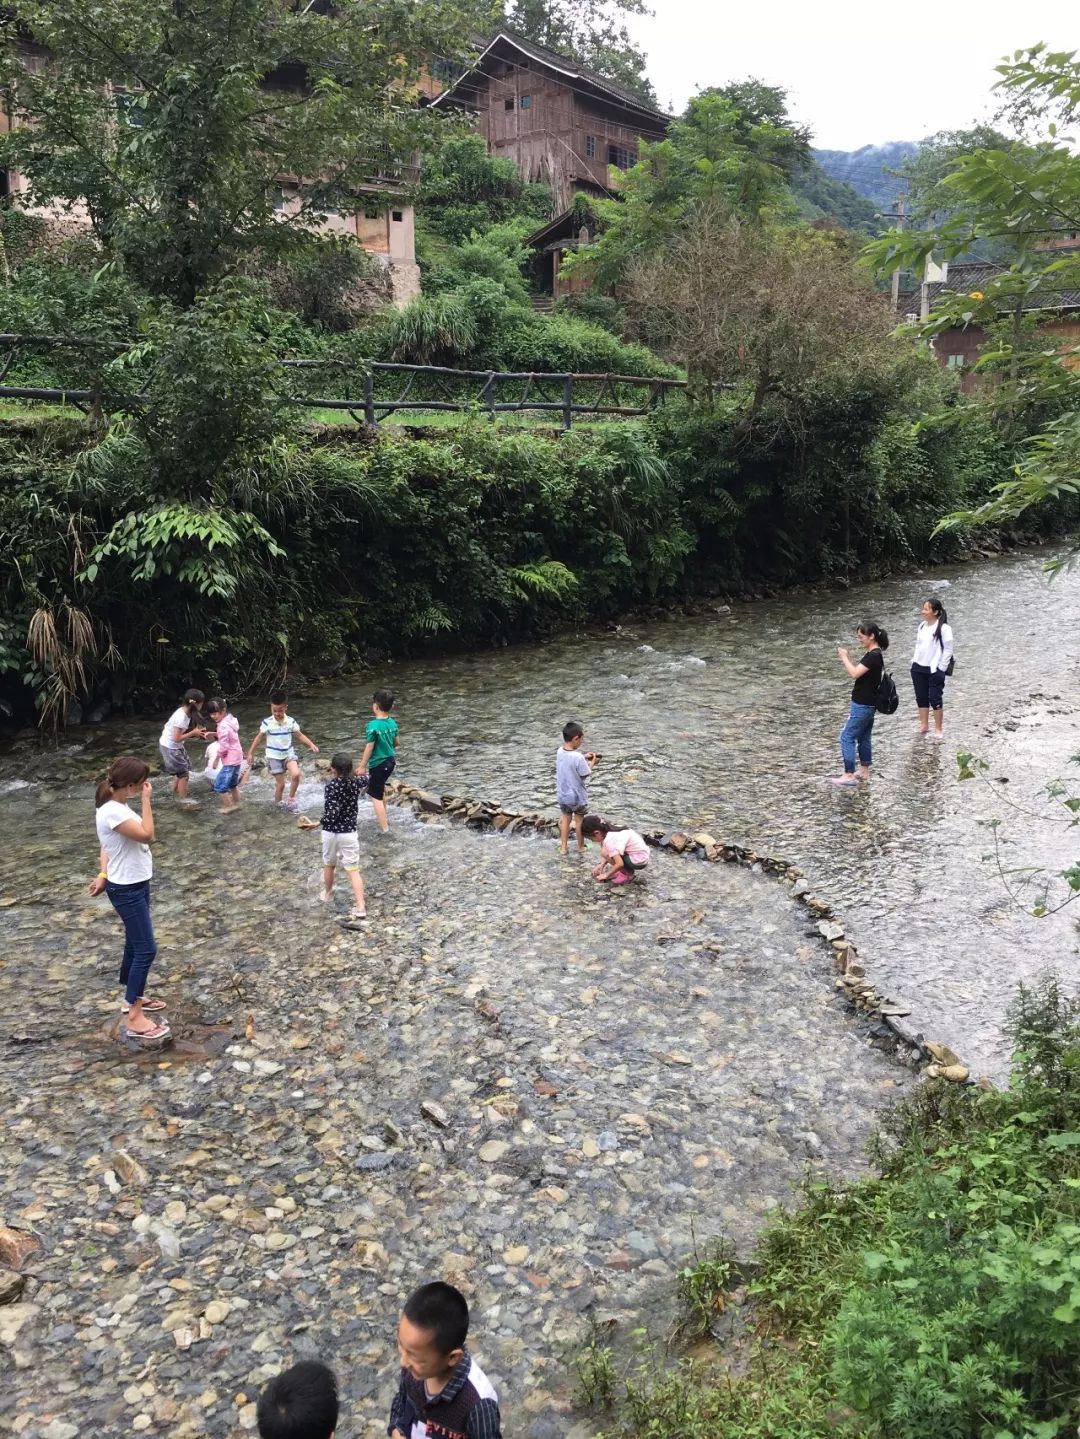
(508, 104)
(397, 216)
(371, 212)
(590, 147)
(446, 70)
(130, 109)
(526, 102)
(281, 200)
(621, 157)
(955, 362)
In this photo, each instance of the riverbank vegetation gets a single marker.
(193, 526)
(940, 1296)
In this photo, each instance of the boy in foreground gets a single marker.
(380, 754)
(443, 1390)
(572, 769)
(302, 1403)
(278, 730)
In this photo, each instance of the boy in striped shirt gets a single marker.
(278, 730)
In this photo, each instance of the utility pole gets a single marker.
(898, 216)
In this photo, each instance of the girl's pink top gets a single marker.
(230, 751)
(626, 842)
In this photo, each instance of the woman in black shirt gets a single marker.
(867, 672)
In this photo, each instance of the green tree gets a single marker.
(591, 31)
(175, 121)
(1026, 199)
(734, 148)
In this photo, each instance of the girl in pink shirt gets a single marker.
(623, 851)
(230, 754)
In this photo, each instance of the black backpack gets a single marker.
(886, 700)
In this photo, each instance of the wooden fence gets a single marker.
(419, 387)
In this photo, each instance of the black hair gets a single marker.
(871, 627)
(278, 697)
(302, 1403)
(942, 618)
(384, 699)
(217, 706)
(571, 730)
(442, 1311)
(594, 824)
(123, 772)
(341, 764)
(193, 697)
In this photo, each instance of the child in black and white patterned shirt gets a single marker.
(340, 844)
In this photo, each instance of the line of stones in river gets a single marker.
(852, 984)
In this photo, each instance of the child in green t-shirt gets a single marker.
(379, 756)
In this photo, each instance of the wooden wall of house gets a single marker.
(548, 138)
(958, 349)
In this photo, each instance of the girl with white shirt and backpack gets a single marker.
(126, 867)
(932, 661)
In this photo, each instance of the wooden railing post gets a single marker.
(487, 394)
(568, 402)
(369, 398)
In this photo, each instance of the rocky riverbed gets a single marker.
(512, 1077)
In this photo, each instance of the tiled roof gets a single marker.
(573, 73)
(974, 275)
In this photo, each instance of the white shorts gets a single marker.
(343, 849)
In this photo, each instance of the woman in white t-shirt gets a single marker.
(125, 873)
(930, 664)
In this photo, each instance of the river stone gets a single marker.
(129, 1168)
(957, 1073)
(16, 1246)
(493, 1150)
(11, 1286)
(942, 1053)
(13, 1318)
(436, 1113)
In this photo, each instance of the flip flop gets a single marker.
(159, 1031)
(358, 914)
(848, 782)
(150, 1006)
(620, 878)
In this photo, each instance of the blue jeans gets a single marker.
(856, 734)
(132, 904)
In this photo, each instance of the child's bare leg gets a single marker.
(357, 883)
(279, 787)
(579, 832)
(327, 880)
(181, 786)
(564, 833)
(294, 780)
(939, 720)
(379, 808)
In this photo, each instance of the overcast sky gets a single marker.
(855, 72)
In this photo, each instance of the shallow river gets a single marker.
(615, 1069)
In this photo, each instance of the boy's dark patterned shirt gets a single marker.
(467, 1407)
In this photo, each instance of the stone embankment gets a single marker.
(852, 982)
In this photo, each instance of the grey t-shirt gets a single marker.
(571, 767)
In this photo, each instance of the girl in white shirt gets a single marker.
(930, 664)
(126, 867)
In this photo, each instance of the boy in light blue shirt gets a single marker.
(572, 769)
(279, 730)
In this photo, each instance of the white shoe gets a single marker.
(325, 895)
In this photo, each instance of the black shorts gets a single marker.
(929, 687)
(377, 777)
(572, 808)
(628, 864)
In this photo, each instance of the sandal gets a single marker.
(358, 914)
(150, 1006)
(159, 1031)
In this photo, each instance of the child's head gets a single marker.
(432, 1332)
(593, 824)
(302, 1403)
(341, 764)
(217, 707)
(124, 775)
(572, 734)
(278, 704)
(383, 701)
(193, 699)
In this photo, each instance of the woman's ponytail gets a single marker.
(942, 618)
(123, 773)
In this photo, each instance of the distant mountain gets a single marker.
(866, 170)
(821, 197)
